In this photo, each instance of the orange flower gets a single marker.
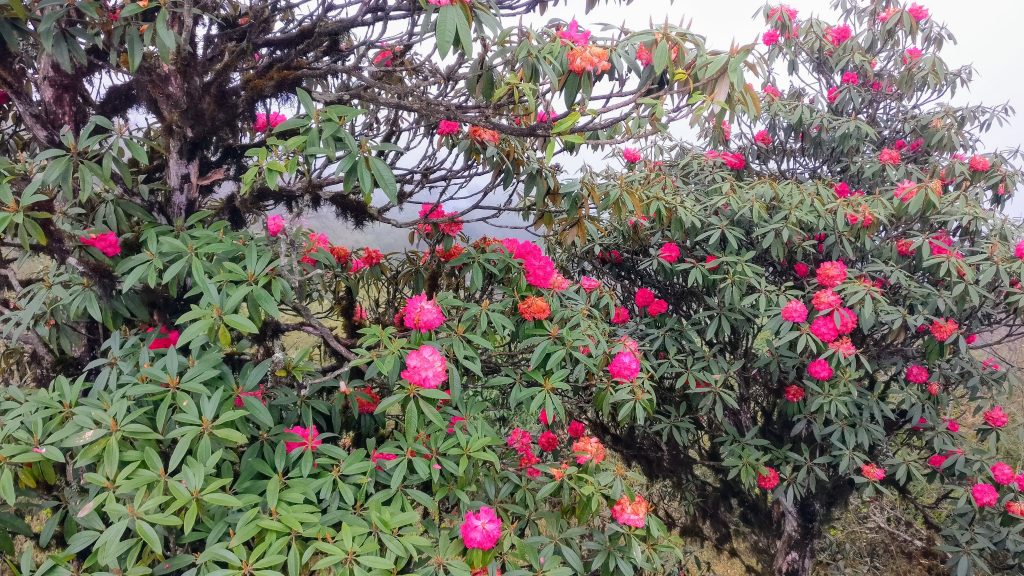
(559, 473)
(484, 135)
(1015, 508)
(588, 59)
(534, 308)
(340, 253)
(588, 449)
(450, 254)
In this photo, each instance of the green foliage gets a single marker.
(214, 399)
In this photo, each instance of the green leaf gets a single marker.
(384, 177)
(173, 564)
(241, 323)
(7, 486)
(446, 27)
(148, 534)
(375, 562)
(14, 524)
(222, 499)
(273, 489)
(231, 435)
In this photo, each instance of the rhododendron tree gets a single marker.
(815, 346)
(203, 384)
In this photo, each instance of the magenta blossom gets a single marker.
(275, 224)
(422, 314)
(425, 367)
(481, 530)
(270, 121)
(448, 128)
(574, 35)
(309, 439)
(624, 367)
(108, 243)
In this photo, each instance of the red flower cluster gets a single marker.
(107, 243)
(433, 212)
(768, 479)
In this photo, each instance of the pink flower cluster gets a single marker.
(917, 374)
(310, 440)
(481, 530)
(872, 472)
(732, 160)
(985, 495)
(669, 252)
(890, 157)
(979, 163)
(831, 274)
(621, 315)
(448, 128)
(1003, 473)
(941, 244)
(631, 155)
(645, 298)
(829, 327)
(108, 243)
(944, 328)
(422, 314)
(794, 311)
(432, 212)
(836, 35)
(820, 370)
(275, 225)
(257, 394)
(768, 479)
(624, 367)
(425, 367)
(775, 13)
(317, 241)
(905, 191)
(826, 299)
(793, 393)
(166, 339)
(574, 35)
(270, 121)
(631, 512)
(917, 12)
(540, 270)
(996, 418)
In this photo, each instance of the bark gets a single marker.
(800, 525)
(61, 91)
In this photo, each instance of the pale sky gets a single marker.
(987, 32)
(987, 35)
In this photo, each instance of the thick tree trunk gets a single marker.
(800, 525)
(182, 177)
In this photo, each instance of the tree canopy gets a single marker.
(732, 335)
